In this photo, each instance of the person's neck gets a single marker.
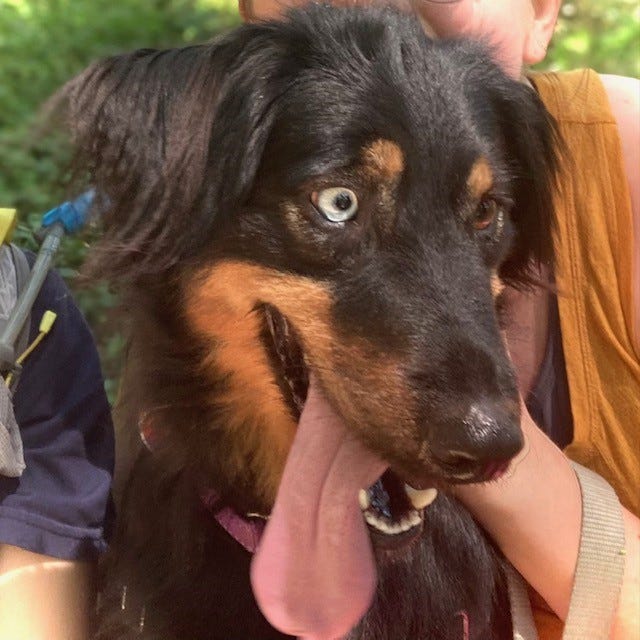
(526, 330)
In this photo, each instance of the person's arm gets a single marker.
(58, 507)
(535, 517)
(43, 598)
(534, 514)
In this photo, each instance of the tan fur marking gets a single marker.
(383, 160)
(219, 308)
(480, 178)
(497, 285)
(293, 216)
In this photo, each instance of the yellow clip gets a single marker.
(8, 219)
(48, 318)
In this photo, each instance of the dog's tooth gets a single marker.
(377, 523)
(411, 520)
(421, 498)
(371, 519)
(363, 499)
(405, 524)
(389, 529)
(381, 525)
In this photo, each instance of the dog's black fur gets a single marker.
(208, 155)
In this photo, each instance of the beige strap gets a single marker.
(600, 567)
(599, 570)
(524, 627)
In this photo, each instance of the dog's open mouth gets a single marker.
(392, 509)
(286, 357)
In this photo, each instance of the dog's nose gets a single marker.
(481, 447)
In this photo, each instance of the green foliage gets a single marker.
(45, 42)
(603, 35)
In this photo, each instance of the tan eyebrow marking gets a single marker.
(383, 159)
(480, 178)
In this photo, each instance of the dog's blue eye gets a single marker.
(337, 204)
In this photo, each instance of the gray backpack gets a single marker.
(14, 274)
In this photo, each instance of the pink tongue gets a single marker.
(313, 574)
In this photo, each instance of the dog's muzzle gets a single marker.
(393, 507)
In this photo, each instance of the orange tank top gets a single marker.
(593, 247)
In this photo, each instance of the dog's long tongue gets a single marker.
(313, 574)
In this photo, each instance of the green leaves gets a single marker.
(602, 35)
(43, 43)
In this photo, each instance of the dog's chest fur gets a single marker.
(191, 580)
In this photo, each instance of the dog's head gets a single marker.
(336, 194)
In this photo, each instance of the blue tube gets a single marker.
(71, 214)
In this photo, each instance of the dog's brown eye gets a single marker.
(486, 213)
(337, 204)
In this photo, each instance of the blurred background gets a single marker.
(44, 42)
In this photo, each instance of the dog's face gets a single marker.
(338, 196)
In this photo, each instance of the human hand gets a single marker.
(534, 514)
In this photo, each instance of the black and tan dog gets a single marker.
(336, 195)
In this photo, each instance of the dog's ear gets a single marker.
(528, 137)
(533, 146)
(171, 141)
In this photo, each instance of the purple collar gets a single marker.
(245, 530)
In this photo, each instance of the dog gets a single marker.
(336, 196)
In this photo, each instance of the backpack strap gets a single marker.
(14, 269)
(23, 269)
(15, 275)
(8, 298)
(600, 567)
(524, 627)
